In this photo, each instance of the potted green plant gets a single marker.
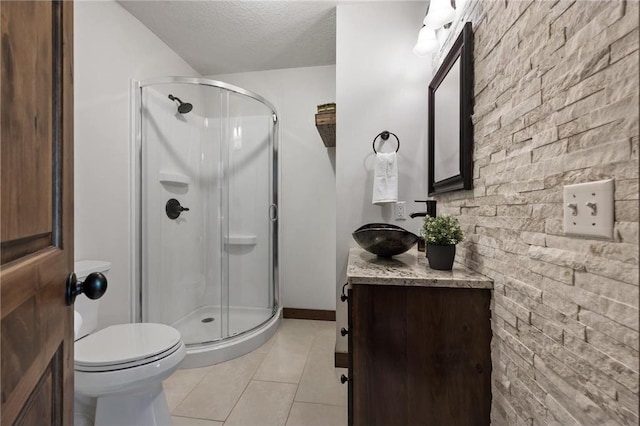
(441, 234)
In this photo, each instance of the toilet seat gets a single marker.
(126, 365)
(124, 346)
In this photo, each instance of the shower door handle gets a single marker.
(273, 212)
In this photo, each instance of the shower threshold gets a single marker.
(249, 328)
(205, 323)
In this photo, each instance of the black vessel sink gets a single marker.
(384, 239)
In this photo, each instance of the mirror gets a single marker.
(450, 130)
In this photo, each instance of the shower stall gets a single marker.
(205, 164)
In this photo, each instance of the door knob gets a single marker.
(94, 286)
(173, 208)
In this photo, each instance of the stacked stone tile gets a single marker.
(556, 103)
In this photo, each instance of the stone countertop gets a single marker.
(409, 269)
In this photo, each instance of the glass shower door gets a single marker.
(180, 255)
(247, 219)
(211, 270)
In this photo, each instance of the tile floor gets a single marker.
(290, 380)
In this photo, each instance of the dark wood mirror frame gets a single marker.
(463, 49)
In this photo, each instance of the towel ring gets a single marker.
(385, 135)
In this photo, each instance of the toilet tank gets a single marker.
(86, 307)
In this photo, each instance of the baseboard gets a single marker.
(341, 359)
(309, 314)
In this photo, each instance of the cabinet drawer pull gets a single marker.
(343, 331)
(344, 379)
(343, 296)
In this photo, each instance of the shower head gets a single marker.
(183, 107)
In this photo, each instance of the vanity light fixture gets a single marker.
(440, 13)
(427, 42)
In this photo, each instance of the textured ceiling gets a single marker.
(219, 37)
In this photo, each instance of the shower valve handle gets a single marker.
(173, 209)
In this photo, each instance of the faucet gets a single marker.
(431, 209)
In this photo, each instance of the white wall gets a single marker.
(380, 85)
(307, 197)
(111, 47)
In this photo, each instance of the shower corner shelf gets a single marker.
(326, 125)
(174, 178)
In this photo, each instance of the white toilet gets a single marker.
(119, 370)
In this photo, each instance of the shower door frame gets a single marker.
(136, 290)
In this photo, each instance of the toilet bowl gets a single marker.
(119, 370)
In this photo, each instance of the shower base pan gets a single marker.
(203, 325)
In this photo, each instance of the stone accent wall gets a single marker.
(556, 103)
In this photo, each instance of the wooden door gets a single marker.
(36, 221)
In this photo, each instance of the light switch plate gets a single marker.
(588, 209)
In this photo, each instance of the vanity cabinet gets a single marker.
(418, 354)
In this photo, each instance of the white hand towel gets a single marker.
(385, 178)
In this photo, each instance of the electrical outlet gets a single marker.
(401, 210)
(588, 209)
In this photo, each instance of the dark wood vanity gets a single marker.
(419, 343)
